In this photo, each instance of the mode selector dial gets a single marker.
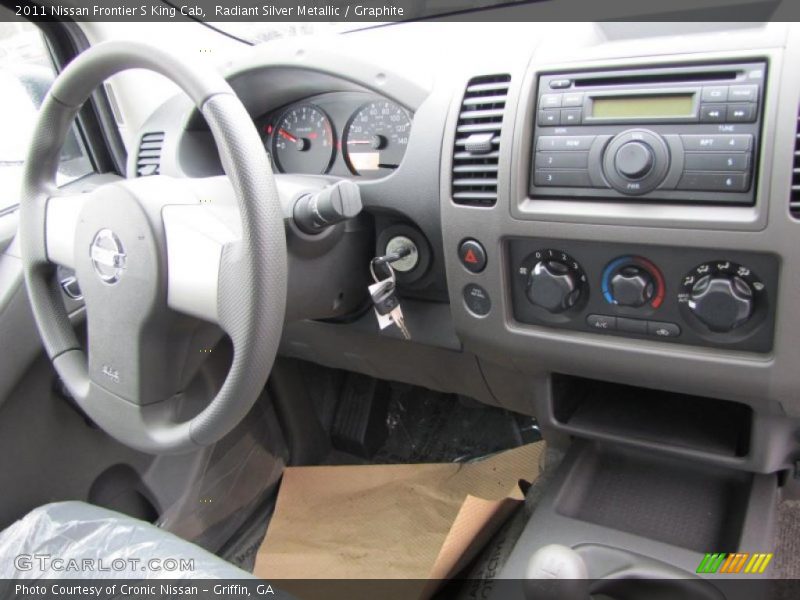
(722, 303)
(634, 160)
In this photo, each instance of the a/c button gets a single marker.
(601, 322)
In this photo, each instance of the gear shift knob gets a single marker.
(556, 572)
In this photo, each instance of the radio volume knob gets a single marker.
(634, 160)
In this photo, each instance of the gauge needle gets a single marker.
(285, 134)
(354, 142)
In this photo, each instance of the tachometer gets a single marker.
(376, 139)
(302, 141)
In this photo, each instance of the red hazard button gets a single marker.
(472, 255)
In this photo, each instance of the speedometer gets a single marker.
(302, 141)
(376, 139)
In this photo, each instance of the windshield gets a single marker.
(258, 32)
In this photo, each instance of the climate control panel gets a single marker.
(683, 295)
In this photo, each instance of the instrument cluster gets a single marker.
(346, 134)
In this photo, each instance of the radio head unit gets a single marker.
(681, 134)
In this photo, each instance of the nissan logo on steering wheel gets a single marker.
(108, 256)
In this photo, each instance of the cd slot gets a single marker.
(658, 78)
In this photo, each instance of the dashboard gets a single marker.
(342, 134)
(607, 202)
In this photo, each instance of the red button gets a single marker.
(472, 255)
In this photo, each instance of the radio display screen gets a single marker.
(642, 107)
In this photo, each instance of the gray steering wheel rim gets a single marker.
(253, 271)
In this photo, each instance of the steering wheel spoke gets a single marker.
(196, 236)
(62, 213)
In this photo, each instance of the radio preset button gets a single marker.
(715, 93)
(551, 101)
(572, 99)
(712, 113)
(716, 161)
(720, 143)
(571, 116)
(571, 142)
(562, 160)
(714, 182)
(546, 177)
(743, 93)
(550, 117)
(744, 112)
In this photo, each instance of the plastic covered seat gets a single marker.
(78, 540)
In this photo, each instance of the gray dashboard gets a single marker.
(495, 354)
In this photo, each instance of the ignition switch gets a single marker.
(314, 212)
(408, 250)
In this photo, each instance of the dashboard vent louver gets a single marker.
(477, 145)
(794, 199)
(148, 161)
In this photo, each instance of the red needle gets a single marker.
(287, 135)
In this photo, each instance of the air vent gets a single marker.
(477, 146)
(148, 161)
(794, 199)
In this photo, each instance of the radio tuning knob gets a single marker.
(722, 303)
(634, 160)
(552, 286)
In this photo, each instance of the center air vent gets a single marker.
(794, 199)
(148, 161)
(477, 146)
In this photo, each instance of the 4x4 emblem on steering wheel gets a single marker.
(108, 256)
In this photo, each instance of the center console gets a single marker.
(668, 136)
(639, 266)
(640, 228)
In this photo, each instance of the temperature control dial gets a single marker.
(554, 281)
(722, 295)
(633, 281)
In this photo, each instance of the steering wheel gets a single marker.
(156, 257)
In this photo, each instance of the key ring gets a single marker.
(388, 266)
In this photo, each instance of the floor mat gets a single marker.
(787, 565)
(431, 427)
(423, 427)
